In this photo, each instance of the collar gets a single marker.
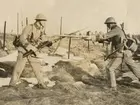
(113, 27)
(36, 26)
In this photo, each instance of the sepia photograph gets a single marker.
(69, 52)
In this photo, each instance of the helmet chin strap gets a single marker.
(108, 26)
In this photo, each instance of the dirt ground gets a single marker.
(73, 84)
(70, 94)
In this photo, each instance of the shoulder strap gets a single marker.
(30, 37)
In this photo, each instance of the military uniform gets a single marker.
(116, 36)
(30, 38)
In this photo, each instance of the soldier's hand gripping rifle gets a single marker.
(47, 44)
(40, 46)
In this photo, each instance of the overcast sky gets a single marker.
(76, 14)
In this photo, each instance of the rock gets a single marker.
(99, 63)
(89, 67)
(93, 70)
(59, 72)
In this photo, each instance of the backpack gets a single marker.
(16, 41)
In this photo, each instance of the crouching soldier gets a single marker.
(28, 41)
(116, 36)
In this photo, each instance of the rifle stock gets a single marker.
(29, 53)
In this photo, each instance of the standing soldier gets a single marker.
(29, 40)
(116, 37)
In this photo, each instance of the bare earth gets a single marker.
(77, 82)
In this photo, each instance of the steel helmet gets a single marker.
(110, 20)
(40, 17)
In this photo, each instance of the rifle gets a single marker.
(122, 27)
(40, 46)
(76, 31)
(113, 52)
(47, 43)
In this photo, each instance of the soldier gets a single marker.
(116, 37)
(30, 38)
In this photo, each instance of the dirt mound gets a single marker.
(65, 71)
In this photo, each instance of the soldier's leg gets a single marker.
(18, 68)
(131, 64)
(36, 66)
(115, 63)
(129, 74)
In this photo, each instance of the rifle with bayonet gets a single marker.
(122, 27)
(40, 46)
(47, 44)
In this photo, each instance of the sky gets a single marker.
(76, 14)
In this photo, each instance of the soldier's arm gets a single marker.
(23, 38)
(26, 31)
(111, 34)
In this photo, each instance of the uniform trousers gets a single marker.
(114, 63)
(19, 67)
